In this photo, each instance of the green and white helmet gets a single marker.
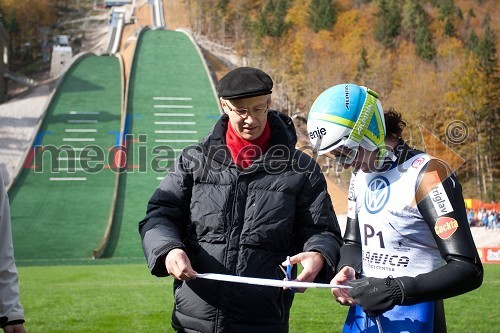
(347, 115)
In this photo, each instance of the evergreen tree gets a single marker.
(388, 22)
(413, 15)
(222, 6)
(446, 8)
(449, 28)
(12, 23)
(424, 46)
(271, 21)
(471, 13)
(362, 65)
(466, 25)
(472, 42)
(321, 15)
(486, 49)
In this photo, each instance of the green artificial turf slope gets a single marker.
(168, 84)
(54, 219)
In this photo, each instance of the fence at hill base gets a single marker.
(489, 255)
(478, 204)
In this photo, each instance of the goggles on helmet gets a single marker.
(343, 155)
(365, 128)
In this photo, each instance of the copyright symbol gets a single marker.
(457, 131)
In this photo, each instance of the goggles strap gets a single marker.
(364, 119)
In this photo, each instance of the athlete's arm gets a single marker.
(350, 252)
(440, 201)
(350, 263)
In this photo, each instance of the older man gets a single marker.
(239, 203)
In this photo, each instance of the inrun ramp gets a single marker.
(62, 199)
(171, 104)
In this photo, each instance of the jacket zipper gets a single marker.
(233, 207)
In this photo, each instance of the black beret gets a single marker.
(244, 82)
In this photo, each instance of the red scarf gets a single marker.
(245, 152)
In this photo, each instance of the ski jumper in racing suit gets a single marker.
(409, 222)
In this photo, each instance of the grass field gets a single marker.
(106, 297)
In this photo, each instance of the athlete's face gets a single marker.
(362, 159)
(248, 116)
(365, 160)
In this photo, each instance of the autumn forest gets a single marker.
(435, 61)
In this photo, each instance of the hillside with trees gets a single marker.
(32, 26)
(435, 61)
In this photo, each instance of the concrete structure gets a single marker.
(110, 3)
(61, 55)
(61, 40)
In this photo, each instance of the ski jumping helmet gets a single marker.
(347, 115)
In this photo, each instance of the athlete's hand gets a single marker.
(178, 265)
(312, 263)
(345, 275)
(375, 295)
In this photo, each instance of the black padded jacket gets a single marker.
(240, 222)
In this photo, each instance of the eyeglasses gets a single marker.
(244, 112)
(343, 154)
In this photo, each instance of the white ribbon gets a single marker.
(267, 282)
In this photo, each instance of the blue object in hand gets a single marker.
(288, 272)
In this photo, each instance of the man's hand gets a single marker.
(178, 265)
(375, 295)
(312, 263)
(345, 275)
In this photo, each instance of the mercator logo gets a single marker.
(377, 194)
